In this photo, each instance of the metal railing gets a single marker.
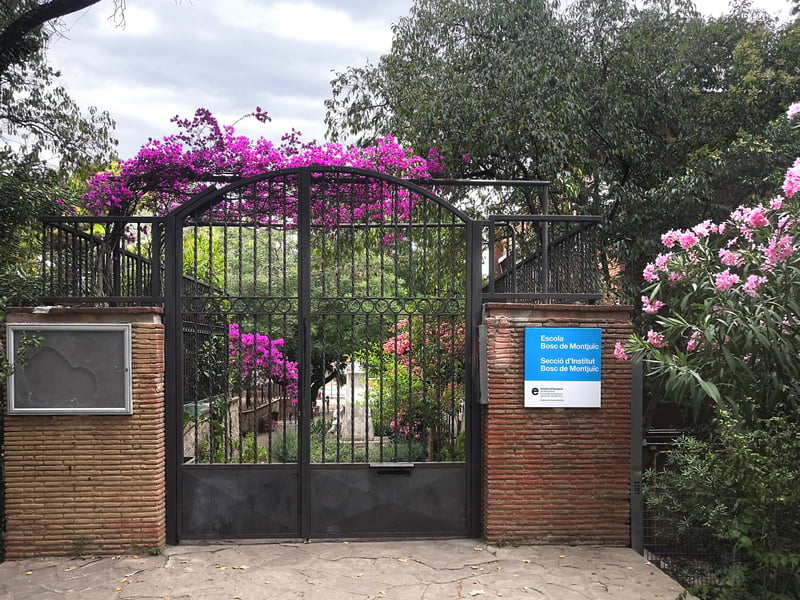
(693, 556)
(546, 258)
(110, 260)
(102, 260)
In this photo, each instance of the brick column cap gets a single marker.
(583, 311)
(85, 314)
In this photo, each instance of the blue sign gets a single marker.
(562, 367)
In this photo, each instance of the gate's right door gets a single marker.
(386, 360)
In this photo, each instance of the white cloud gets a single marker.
(174, 56)
(715, 8)
(306, 22)
(138, 21)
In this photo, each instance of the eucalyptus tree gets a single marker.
(609, 100)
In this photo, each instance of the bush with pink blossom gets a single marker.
(724, 343)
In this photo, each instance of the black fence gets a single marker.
(544, 258)
(102, 260)
(120, 260)
(691, 555)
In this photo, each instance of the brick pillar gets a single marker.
(91, 484)
(555, 475)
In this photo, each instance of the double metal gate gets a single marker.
(320, 353)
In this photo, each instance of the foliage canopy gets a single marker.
(610, 101)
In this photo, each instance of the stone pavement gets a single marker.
(424, 570)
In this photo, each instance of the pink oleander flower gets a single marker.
(739, 214)
(747, 232)
(662, 260)
(725, 280)
(753, 283)
(794, 110)
(687, 239)
(792, 181)
(649, 273)
(758, 217)
(732, 259)
(656, 339)
(705, 228)
(651, 307)
(659, 265)
(670, 238)
(778, 250)
(776, 203)
(693, 342)
(674, 277)
(750, 217)
(619, 351)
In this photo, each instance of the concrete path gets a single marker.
(400, 570)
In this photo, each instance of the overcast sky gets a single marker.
(229, 56)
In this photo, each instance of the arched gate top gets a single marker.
(211, 195)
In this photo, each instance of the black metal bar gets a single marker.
(94, 219)
(304, 349)
(84, 300)
(492, 245)
(45, 270)
(637, 498)
(539, 297)
(545, 276)
(479, 182)
(505, 219)
(472, 408)
(156, 231)
(173, 375)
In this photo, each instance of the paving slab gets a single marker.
(340, 570)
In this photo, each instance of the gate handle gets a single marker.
(391, 468)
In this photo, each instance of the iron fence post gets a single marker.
(637, 500)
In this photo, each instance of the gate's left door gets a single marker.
(238, 306)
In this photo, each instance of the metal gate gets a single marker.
(319, 353)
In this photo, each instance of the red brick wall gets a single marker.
(555, 475)
(91, 484)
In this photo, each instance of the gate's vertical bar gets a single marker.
(46, 274)
(173, 373)
(472, 407)
(491, 245)
(304, 347)
(156, 229)
(545, 245)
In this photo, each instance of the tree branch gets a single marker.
(13, 36)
